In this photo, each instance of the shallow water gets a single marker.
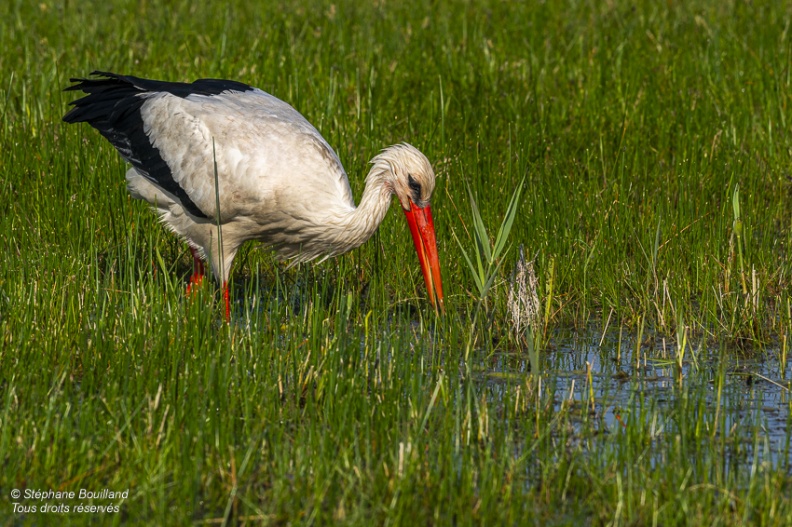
(754, 399)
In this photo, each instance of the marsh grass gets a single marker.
(336, 396)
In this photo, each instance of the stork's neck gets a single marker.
(361, 223)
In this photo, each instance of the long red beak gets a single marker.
(423, 233)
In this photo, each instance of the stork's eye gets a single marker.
(415, 188)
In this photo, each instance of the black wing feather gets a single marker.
(112, 106)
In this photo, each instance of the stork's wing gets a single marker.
(174, 134)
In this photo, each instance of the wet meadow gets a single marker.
(614, 222)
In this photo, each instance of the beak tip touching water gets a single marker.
(423, 234)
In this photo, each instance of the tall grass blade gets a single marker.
(508, 220)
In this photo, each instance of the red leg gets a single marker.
(227, 302)
(198, 271)
(197, 278)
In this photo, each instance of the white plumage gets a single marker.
(278, 181)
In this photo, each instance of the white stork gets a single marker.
(218, 153)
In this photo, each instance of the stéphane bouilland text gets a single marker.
(82, 494)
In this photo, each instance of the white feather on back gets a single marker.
(267, 153)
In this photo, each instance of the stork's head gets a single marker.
(409, 175)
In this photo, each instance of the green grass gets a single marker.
(337, 396)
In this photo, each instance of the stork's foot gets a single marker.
(195, 281)
(198, 272)
(197, 278)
